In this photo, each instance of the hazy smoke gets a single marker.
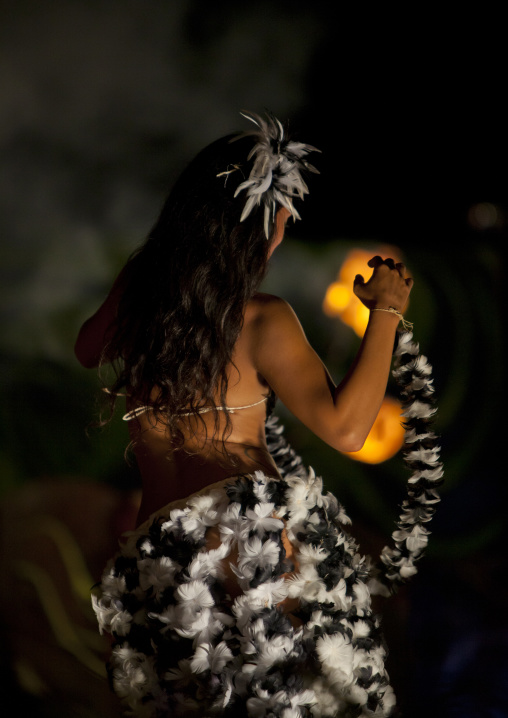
(102, 105)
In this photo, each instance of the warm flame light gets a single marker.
(386, 436)
(337, 298)
(340, 299)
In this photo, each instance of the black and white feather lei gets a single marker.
(413, 374)
(183, 647)
(276, 174)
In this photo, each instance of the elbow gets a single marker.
(86, 358)
(349, 442)
(351, 446)
(86, 361)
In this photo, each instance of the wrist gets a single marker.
(395, 313)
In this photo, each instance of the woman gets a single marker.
(239, 592)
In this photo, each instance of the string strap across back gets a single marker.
(203, 410)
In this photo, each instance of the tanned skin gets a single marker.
(271, 352)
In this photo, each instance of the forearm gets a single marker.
(359, 396)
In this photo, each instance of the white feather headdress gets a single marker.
(275, 178)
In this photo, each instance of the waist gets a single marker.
(218, 488)
(181, 502)
(174, 475)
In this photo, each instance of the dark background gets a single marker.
(102, 104)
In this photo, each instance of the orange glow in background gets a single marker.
(387, 434)
(340, 300)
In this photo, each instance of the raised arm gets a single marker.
(340, 415)
(97, 330)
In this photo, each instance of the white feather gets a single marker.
(210, 658)
(260, 519)
(157, 573)
(336, 655)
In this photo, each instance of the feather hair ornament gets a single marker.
(276, 175)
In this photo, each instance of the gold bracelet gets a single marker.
(408, 326)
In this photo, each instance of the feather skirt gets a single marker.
(272, 620)
(250, 598)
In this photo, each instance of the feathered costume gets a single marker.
(182, 646)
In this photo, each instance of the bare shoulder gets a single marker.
(270, 324)
(264, 309)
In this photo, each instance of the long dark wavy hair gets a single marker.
(185, 291)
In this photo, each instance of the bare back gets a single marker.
(271, 353)
(168, 475)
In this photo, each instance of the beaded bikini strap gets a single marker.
(203, 410)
